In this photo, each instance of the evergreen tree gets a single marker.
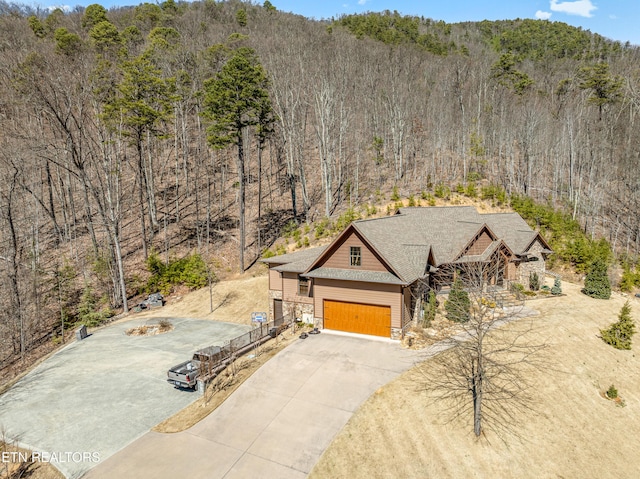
(557, 288)
(93, 15)
(140, 109)
(596, 283)
(67, 43)
(619, 334)
(430, 309)
(605, 88)
(105, 37)
(37, 27)
(89, 312)
(235, 99)
(505, 73)
(241, 17)
(534, 281)
(458, 304)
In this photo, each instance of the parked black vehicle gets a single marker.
(185, 375)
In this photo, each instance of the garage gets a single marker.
(357, 318)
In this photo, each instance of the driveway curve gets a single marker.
(97, 395)
(278, 422)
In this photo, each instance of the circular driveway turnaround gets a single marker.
(278, 422)
(97, 395)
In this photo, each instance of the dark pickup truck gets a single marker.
(185, 375)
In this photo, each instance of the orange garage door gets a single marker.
(357, 318)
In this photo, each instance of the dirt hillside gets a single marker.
(231, 300)
(573, 432)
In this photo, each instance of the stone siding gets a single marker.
(526, 268)
(299, 311)
(273, 294)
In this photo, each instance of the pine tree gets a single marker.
(534, 281)
(458, 304)
(596, 283)
(93, 15)
(241, 17)
(140, 109)
(430, 309)
(89, 313)
(234, 100)
(557, 288)
(619, 334)
(605, 88)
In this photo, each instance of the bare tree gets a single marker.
(484, 372)
(9, 207)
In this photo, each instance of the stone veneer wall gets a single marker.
(525, 269)
(273, 294)
(296, 310)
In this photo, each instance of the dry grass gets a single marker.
(163, 326)
(574, 431)
(16, 467)
(231, 301)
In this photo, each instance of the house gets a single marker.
(366, 280)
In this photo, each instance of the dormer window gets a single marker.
(355, 256)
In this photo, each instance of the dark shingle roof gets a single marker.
(297, 262)
(355, 275)
(512, 229)
(405, 240)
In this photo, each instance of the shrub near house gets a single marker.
(596, 283)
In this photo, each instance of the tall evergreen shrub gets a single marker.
(596, 283)
(430, 309)
(619, 334)
(534, 281)
(458, 304)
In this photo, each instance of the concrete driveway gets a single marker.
(96, 396)
(278, 423)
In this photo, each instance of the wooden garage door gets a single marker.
(357, 318)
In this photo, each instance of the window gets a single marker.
(303, 286)
(356, 256)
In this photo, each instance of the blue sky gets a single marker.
(615, 19)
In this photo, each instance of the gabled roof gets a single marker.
(512, 229)
(413, 239)
(297, 262)
(484, 256)
(353, 229)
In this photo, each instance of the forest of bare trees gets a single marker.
(115, 142)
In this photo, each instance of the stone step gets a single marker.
(506, 298)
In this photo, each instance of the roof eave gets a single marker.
(536, 236)
(365, 240)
